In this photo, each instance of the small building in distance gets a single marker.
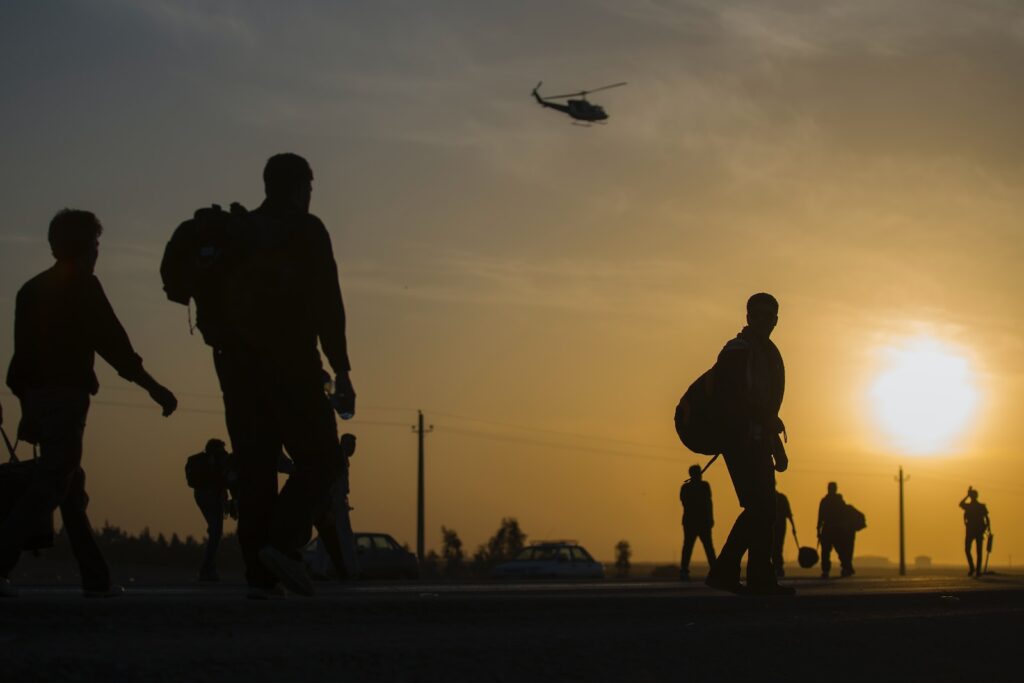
(922, 562)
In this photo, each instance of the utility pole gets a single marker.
(903, 555)
(420, 433)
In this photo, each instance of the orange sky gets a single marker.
(546, 292)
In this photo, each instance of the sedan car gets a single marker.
(378, 556)
(560, 560)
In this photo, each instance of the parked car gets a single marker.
(379, 557)
(555, 560)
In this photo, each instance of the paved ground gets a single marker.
(883, 628)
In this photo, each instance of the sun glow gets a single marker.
(925, 395)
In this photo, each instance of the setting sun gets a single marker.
(925, 396)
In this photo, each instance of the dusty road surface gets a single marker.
(938, 628)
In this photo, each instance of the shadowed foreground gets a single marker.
(935, 628)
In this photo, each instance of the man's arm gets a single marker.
(112, 344)
(329, 308)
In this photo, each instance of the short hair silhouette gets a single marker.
(73, 232)
(283, 172)
(761, 301)
(973, 494)
(214, 445)
(694, 470)
(832, 487)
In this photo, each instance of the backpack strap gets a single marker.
(10, 449)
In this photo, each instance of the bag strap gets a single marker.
(705, 468)
(10, 449)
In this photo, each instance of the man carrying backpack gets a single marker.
(62, 319)
(281, 298)
(750, 379)
(835, 531)
(207, 474)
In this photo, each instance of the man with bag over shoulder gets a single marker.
(62, 320)
(752, 378)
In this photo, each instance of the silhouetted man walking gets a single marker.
(976, 523)
(834, 531)
(287, 300)
(207, 474)
(751, 377)
(698, 519)
(62, 319)
(783, 513)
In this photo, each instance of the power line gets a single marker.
(549, 444)
(554, 432)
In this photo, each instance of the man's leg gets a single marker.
(59, 418)
(850, 540)
(727, 565)
(978, 543)
(845, 550)
(211, 504)
(826, 553)
(779, 540)
(689, 538)
(311, 437)
(762, 522)
(709, 546)
(91, 565)
(256, 444)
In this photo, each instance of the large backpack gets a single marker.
(201, 473)
(197, 265)
(699, 421)
(854, 519)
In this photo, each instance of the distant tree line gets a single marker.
(120, 547)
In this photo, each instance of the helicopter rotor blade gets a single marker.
(605, 87)
(559, 97)
(584, 93)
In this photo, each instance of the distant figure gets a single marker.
(834, 531)
(782, 513)
(334, 527)
(977, 525)
(271, 374)
(752, 377)
(698, 519)
(62, 319)
(207, 474)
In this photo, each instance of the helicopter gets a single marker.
(580, 109)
